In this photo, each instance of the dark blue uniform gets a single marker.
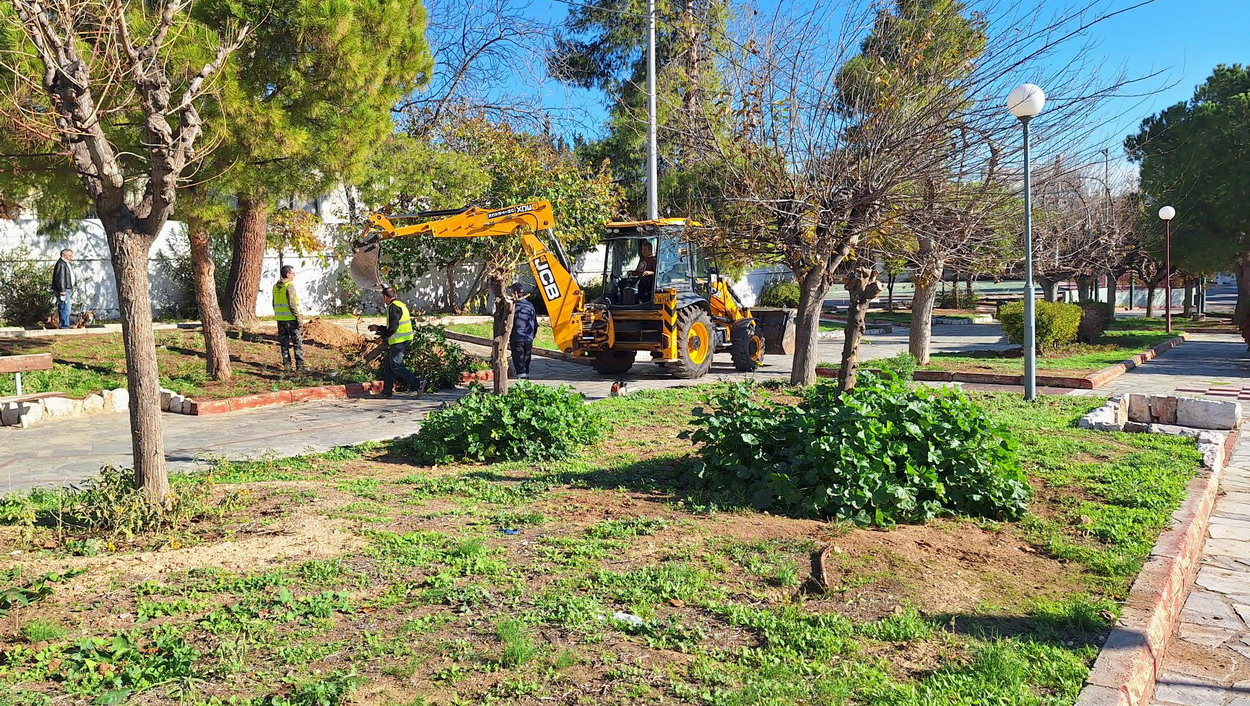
(521, 342)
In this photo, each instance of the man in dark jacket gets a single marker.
(524, 328)
(398, 333)
(63, 281)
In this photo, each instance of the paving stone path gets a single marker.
(1208, 662)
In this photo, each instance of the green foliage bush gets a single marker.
(1057, 323)
(25, 288)
(780, 293)
(902, 365)
(877, 455)
(531, 422)
(431, 358)
(1096, 317)
(946, 298)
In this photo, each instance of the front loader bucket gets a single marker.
(364, 266)
(776, 327)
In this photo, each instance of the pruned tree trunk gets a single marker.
(1188, 309)
(971, 293)
(216, 347)
(955, 292)
(250, 227)
(1150, 299)
(502, 330)
(453, 297)
(812, 288)
(129, 253)
(889, 290)
(1050, 288)
(920, 334)
(928, 277)
(862, 287)
(1112, 286)
(1242, 310)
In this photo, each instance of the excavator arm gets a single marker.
(551, 268)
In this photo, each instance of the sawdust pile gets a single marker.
(331, 334)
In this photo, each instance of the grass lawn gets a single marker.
(86, 364)
(297, 581)
(1113, 347)
(1156, 323)
(544, 339)
(904, 317)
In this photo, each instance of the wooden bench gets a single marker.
(18, 364)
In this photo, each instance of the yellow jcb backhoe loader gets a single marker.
(671, 304)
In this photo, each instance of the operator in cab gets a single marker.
(645, 269)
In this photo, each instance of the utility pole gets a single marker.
(653, 186)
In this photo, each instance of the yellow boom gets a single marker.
(551, 270)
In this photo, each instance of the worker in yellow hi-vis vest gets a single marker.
(290, 323)
(398, 334)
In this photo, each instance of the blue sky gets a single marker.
(1183, 40)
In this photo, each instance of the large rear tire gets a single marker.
(746, 347)
(613, 362)
(696, 339)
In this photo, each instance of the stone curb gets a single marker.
(279, 397)
(1128, 664)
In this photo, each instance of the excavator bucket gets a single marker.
(364, 265)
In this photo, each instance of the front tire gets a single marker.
(613, 362)
(746, 347)
(696, 339)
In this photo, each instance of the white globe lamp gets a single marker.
(1026, 101)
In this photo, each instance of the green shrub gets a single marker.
(1096, 317)
(1057, 323)
(902, 365)
(25, 288)
(877, 455)
(431, 358)
(780, 293)
(946, 299)
(531, 422)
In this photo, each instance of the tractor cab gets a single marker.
(645, 257)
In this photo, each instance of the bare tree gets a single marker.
(129, 80)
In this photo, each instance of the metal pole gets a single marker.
(653, 186)
(1030, 333)
(1130, 291)
(1167, 272)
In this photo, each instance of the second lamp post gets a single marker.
(1167, 213)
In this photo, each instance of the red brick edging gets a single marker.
(1128, 664)
(269, 399)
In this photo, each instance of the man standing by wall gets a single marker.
(398, 334)
(290, 323)
(63, 281)
(524, 328)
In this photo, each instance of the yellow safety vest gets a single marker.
(403, 331)
(281, 304)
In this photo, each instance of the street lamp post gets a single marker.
(1025, 102)
(1167, 213)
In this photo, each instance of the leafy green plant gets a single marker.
(25, 288)
(877, 455)
(780, 293)
(902, 365)
(1056, 324)
(433, 359)
(531, 422)
(950, 299)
